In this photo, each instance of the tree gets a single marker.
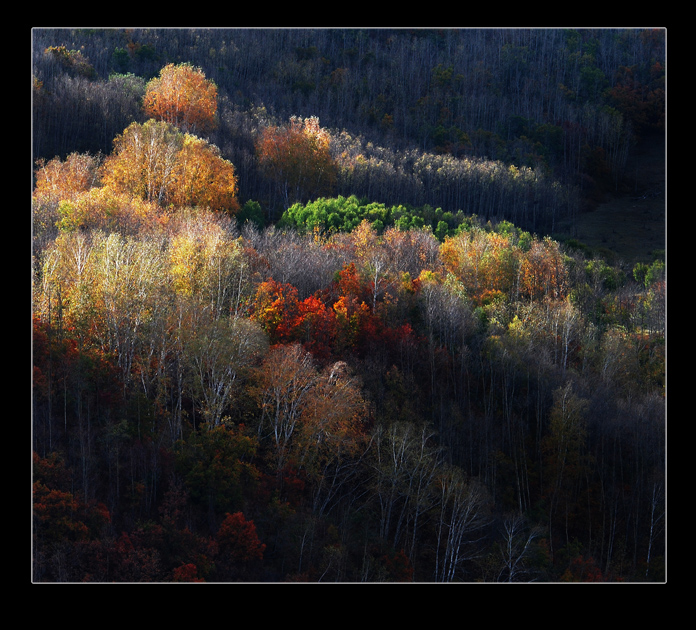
(204, 178)
(157, 162)
(331, 436)
(72, 60)
(312, 418)
(217, 468)
(239, 547)
(143, 161)
(284, 384)
(67, 277)
(218, 352)
(110, 211)
(61, 519)
(127, 291)
(463, 513)
(542, 271)
(406, 466)
(182, 96)
(275, 307)
(297, 160)
(564, 447)
(208, 266)
(186, 573)
(57, 179)
(516, 548)
(485, 262)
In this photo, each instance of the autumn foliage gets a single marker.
(297, 158)
(159, 164)
(57, 179)
(506, 265)
(183, 97)
(392, 384)
(274, 410)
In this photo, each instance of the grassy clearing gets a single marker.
(631, 224)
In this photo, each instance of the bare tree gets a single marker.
(463, 516)
(217, 353)
(516, 547)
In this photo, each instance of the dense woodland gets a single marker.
(309, 306)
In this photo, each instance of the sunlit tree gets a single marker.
(160, 164)
(182, 96)
(297, 160)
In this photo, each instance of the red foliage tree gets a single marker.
(583, 569)
(238, 540)
(240, 550)
(398, 567)
(316, 327)
(186, 573)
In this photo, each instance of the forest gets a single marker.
(312, 305)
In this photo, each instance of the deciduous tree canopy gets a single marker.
(158, 163)
(389, 364)
(183, 97)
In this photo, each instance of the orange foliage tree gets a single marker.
(275, 307)
(59, 180)
(309, 416)
(490, 264)
(542, 271)
(297, 159)
(182, 96)
(285, 319)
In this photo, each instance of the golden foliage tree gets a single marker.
(108, 210)
(158, 163)
(182, 96)
(485, 262)
(58, 183)
(203, 177)
(143, 161)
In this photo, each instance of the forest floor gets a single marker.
(631, 223)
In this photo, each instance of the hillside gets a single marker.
(373, 305)
(631, 223)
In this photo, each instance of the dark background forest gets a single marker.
(426, 343)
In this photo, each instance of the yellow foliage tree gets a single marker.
(208, 266)
(57, 183)
(108, 210)
(485, 262)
